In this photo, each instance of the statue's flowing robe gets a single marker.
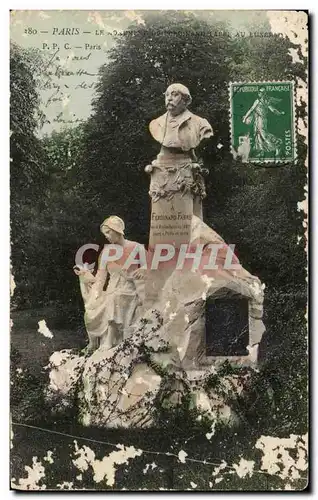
(118, 303)
(264, 141)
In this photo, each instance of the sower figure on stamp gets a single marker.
(176, 168)
(257, 116)
(109, 313)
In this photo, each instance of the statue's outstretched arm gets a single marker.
(92, 286)
(250, 111)
(87, 277)
(275, 111)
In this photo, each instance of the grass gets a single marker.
(35, 349)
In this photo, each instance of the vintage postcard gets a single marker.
(158, 190)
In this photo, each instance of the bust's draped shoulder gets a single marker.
(192, 129)
(157, 128)
(206, 131)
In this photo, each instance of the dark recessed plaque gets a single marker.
(227, 331)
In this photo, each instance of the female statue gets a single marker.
(109, 313)
(256, 116)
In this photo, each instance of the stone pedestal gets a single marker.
(171, 220)
(171, 215)
(172, 199)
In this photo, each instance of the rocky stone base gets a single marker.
(128, 385)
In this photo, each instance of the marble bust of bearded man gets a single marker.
(176, 170)
(178, 129)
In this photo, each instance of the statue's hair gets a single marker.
(183, 90)
(115, 223)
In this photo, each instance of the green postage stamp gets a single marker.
(263, 121)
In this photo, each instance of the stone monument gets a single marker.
(177, 185)
(180, 319)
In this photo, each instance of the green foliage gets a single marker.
(27, 175)
(26, 392)
(62, 229)
(265, 225)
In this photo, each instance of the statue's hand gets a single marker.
(148, 169)
(79, 271)
(139, 274)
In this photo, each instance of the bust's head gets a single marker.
(177, 98)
